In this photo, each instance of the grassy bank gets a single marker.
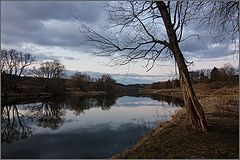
(176, 139)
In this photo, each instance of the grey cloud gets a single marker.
(214, 52)
(27, 21)
(50, 56)
(66, 36)
(193, 45)
(43, 56)
(220, 50)
(199, 47)
(70, 58)
(32, 10)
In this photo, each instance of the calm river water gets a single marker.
(78, 127)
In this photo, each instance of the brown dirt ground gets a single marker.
(176, 139)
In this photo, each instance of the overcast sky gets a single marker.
(48, 31)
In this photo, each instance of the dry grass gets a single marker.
(176, 139)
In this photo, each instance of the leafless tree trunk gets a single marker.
(191, 103)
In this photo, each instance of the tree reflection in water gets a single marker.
(170, 100)
(106, 102)
(13, 125)
(81, 104)
(49, 114)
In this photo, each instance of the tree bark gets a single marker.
(194, 108)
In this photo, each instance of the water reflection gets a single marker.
(81, 104)
(170, 100)
(80, 127)
(13, 126)
(48, 114)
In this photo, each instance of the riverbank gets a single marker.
(15, 87)
(176, 139)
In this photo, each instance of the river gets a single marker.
(80, 127)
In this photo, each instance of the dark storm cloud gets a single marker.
(45, 23)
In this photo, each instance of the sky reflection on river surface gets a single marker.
(81, 127)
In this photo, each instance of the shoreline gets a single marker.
(27, 98)
(47, 94)
(176, 139)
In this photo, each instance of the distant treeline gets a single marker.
(227, 74)
(28, 86)
(85, 83)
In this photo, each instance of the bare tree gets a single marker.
(15, 62)
(230, 70)
(3, 59)
(81, 81)
(24, 61)
(220, 17)
(214, 74)
(50, 69)
(107, 84)
(149, 31)
(9, 59)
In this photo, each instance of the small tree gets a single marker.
(222, 74)
(107, 84)
(175, 82)
(230, 70)
(168, 84)
(81, 81)
(203, 76)
(214, 74)
(194, 76)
